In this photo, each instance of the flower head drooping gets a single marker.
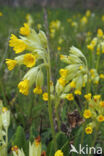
(25, 30)
(58, 153)
(77, 92)
(17, 44)
(29, 60)
(45, 96)
(37, 90)
(11, 63)
(24, 87)
(87, 96)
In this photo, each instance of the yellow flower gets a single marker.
(70, 97)
(39, 26)
(88, 130)
(62, 81)
(25, 30)
(90, 47)
(37, 141)
(99, 33)
(11, 63)
(58, 48)
(87, 96)
(96, 97)
(81, 67)
(102, 103)
(84, 20)
(101, 76)
(63, 72)
(17, 44)
(15, 148)
(88, 13)
(58, 153)
(77, 92)
(87, 114)
(29, 60)
(4, 109)
(72, 84)
(100, 118)
(37, 90)
(45, 96)
(1, 14)
(24, 87)
(102, 18)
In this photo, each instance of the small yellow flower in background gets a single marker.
(24, 87)
(1, 14)
(72, 84)
(25, 30)
(100, 33)
(15, 148)
(11, 63)
(62, 57)
(63, 72)
(96, 97)
(58, 153)
(101, 76)
(60, 40)
(90, 47)
(29, 60)
(37, 90)
(87, 114)
(58, 48)
(88, 96)
(45, 96)
(88, 13)
(17, 44)
(102, 18)
(100, 118)
(102, 103)
(88, 130)
(84, 20)
(62, 81)
(70, 97)
(77, 92)
(4, 109)
(39, 26)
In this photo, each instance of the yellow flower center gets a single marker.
(29, 60)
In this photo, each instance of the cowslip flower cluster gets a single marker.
(94, 113)
(54, 26)
(73, 76)
(97, 43)
(33, 45)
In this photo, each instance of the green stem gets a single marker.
(82, 137)
(58, 119)
(49, 103)
(98, 61)
(95, 137)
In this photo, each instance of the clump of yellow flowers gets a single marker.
(33, 47)
(97, 43)
(94, 113)
(75, 75)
